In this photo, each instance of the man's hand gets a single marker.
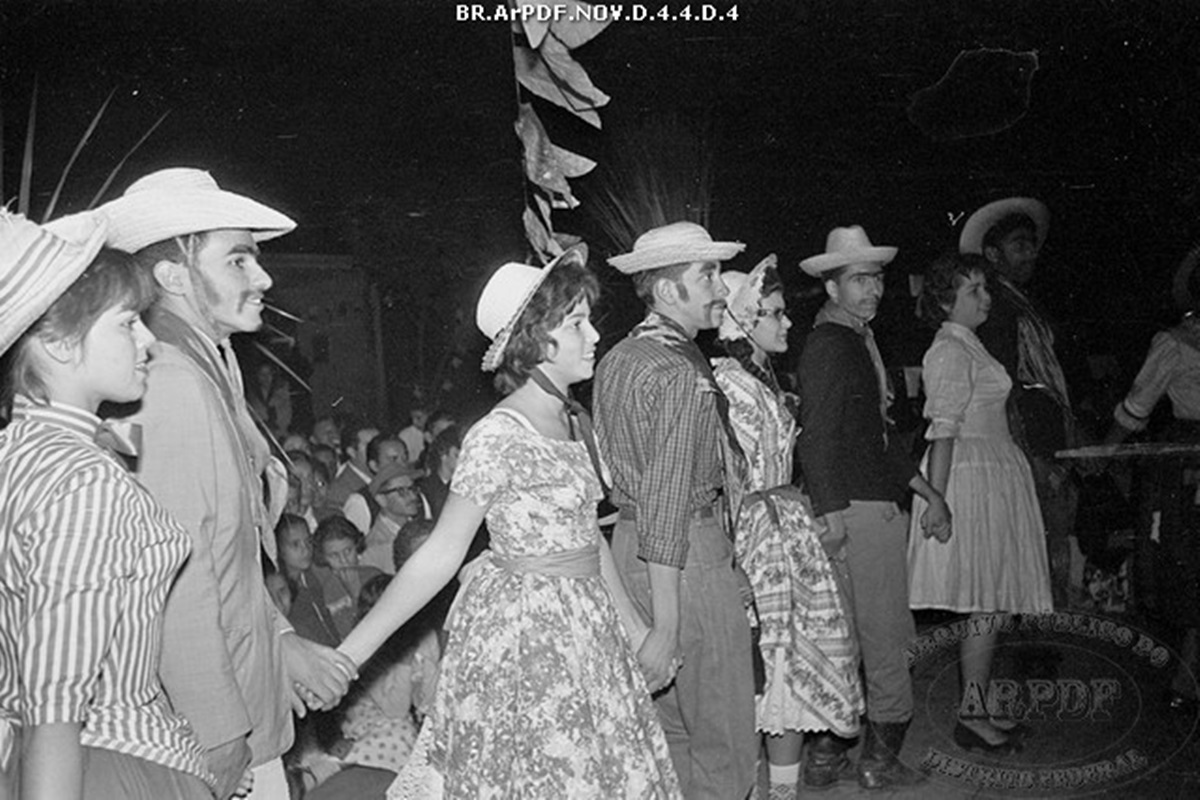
(831, 531)
(230, 762)
(659, 659)
(745, 590)
(936, 520)
(323, 673)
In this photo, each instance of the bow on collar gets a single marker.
(120, 436)
(579, 419)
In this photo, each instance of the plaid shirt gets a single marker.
(658, 427)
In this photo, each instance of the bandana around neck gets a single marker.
(832, 312)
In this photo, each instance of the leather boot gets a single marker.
(826, 762)
(879, 764)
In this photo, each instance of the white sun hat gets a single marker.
(677, 243)
(40, 262)
(182, 200)
(506, 296)
(845, 246)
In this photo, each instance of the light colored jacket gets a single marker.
(203, 459)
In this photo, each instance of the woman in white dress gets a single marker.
(995, 561)
(540, 694)
(809, 652)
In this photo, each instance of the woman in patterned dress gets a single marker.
(809, 653)
(540, 694)
(995, 561)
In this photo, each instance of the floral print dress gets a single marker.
(540, 694)
(807, 641)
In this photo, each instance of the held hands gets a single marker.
(936, 521)
(320, 675)
(660, 659)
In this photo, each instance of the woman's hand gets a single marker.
(659, 658)
(936, 521)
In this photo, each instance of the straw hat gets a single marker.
(979, 223)
(39, 263)
(741, 306)
(507, 294)
(677, 243)
(845, 246)
(182, 200)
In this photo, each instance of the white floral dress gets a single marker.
(996, 558)
(540, 694)
(807, 640)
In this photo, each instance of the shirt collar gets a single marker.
(662, 319)
(60, 415)
(832, 312)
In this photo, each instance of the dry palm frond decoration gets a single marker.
(659, 171)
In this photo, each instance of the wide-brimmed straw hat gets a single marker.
(389, 472)
(979, 223)
(845, 246)
(38, 263)
(742, 304)
(677, 243)
(183, 200)
(507, 294)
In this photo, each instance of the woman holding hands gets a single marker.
(540, 694)
(996, 560)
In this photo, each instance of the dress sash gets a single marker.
(583, 562)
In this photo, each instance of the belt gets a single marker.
(709, 511)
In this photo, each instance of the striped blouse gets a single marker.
(86, 559)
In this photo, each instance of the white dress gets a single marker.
(996, 558)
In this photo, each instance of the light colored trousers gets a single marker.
(877, 559)
(708, 712)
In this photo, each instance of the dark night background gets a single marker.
(385, 129)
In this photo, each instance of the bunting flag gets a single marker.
(543, 65)
(546, 164)
(551, 74)
(565, 19)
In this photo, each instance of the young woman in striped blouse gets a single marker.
(86, 555)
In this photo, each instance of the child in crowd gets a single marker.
(327, 457)
(308, 613)
(338, 546)
(380, 718)
(278, 587)
(307, 485)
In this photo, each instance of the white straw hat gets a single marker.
(677, 243)
(507, 294)
(845, 246)
(183, 200)
(979, 223)
(38, 263)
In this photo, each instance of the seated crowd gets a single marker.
(353, 516)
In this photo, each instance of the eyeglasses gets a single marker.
(776, 314)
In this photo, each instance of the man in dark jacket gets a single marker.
(856, 477)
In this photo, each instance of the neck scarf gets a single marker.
(578, 419)
(832, 312)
